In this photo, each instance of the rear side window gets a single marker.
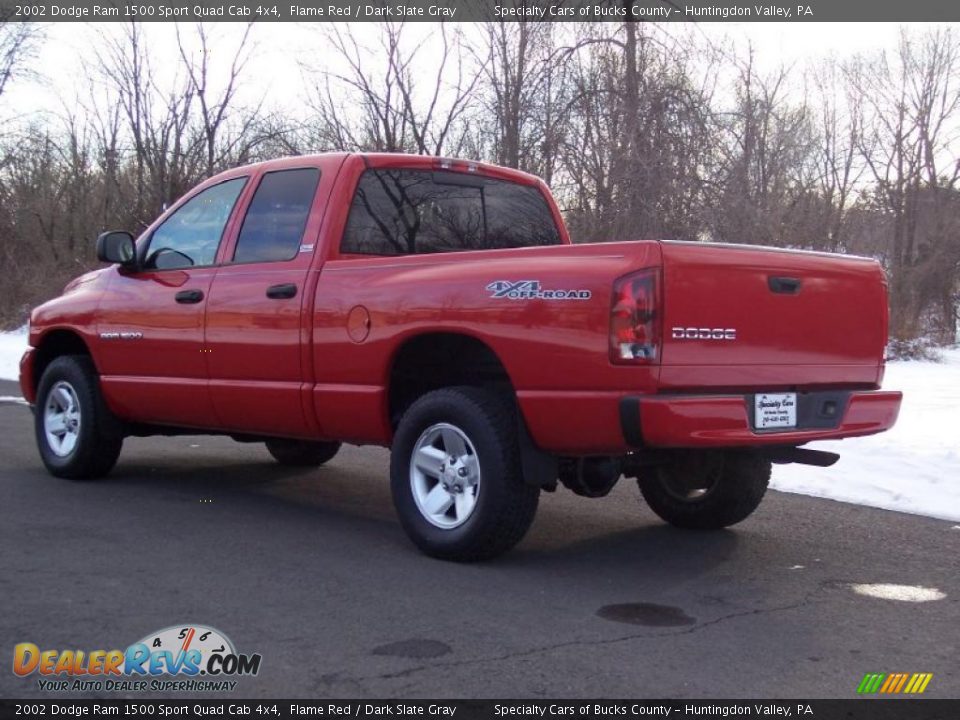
(406, 212)
(277, 216)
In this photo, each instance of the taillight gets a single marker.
(635, 318)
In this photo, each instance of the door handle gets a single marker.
(282, 292)
(784, 285)
(189, 297)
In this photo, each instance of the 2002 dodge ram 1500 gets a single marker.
(437, 307)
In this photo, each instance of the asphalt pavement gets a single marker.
(311, 569)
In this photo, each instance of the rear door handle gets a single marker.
(282, 292)
(189, 297)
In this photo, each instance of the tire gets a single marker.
(77, 435)
(706, 490)
(302, 453)
(493, 507)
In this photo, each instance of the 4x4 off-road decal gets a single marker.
(532, 290)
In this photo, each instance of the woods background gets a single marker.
(642, 131)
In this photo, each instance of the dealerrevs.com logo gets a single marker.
(187, 657)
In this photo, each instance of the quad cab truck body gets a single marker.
(437, 307)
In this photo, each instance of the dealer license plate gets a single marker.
(774, 410)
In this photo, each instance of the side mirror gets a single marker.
(116, 246)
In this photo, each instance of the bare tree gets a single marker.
(17, 41)
(394, 106)
(157, 120)
(838, 168)
(640, 135)
(216, 103)
(910, 145)
(524, 84)
(767, 150)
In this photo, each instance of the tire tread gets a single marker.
(97, 452)
(517, 501)
(302, 453)
(741, 488)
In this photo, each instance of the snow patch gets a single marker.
(12, 346)
(912, 468)
(902, 593)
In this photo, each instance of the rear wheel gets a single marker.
(456, 476)
(302, 453)
(76, 433)
(706, 490)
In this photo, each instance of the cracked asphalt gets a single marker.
(310, 569)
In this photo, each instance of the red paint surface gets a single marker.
(241, 362)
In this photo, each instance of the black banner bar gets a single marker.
(856, 709)
(481, 10)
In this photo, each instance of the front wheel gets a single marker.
(706, 490)
(456, 476)
(77, 436)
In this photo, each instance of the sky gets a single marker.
(281, 48)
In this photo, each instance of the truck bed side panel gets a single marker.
(555, 350)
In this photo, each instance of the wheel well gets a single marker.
(53, 345)
(436, 360)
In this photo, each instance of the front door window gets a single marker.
(191, 235)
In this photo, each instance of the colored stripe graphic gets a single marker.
(894, 683)
(870, 683)
(918, 683)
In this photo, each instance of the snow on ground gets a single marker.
(12, 346)
(913, 468)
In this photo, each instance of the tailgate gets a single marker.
(746, 317)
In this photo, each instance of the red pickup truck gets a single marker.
(438, 307)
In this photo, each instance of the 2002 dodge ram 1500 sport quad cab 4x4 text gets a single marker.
(438, 307)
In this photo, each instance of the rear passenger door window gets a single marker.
(273, 227)
(406, 212)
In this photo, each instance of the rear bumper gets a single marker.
(724, 420)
